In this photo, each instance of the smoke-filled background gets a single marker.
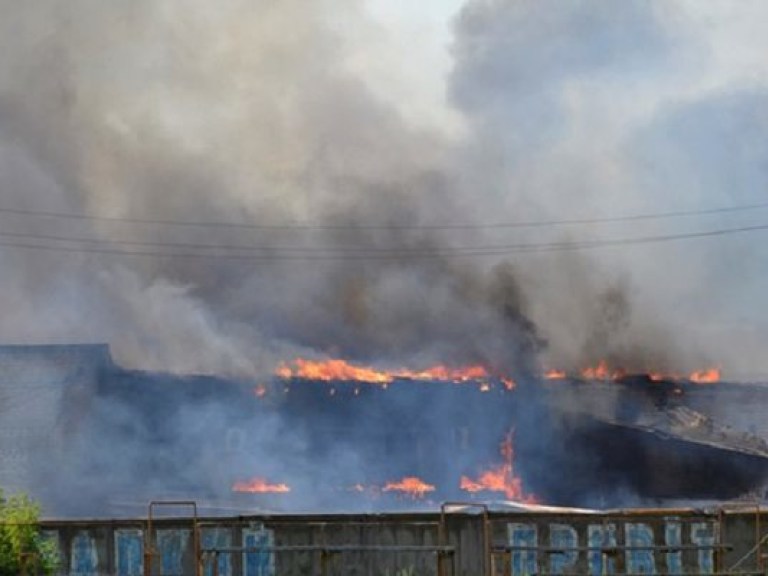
(247, 182)
(315, 122)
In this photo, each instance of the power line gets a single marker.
(278, 250)
(457, 226)
(382, 254)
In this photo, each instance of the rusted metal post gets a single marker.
(494, 571)
(507, 563)
(442, 533)
(441, 563)
(196, 544)
(323, 562)
(487, 538)
(148, 545)
(215, 564)
(718, 553)
(758, 538)
(148, 549)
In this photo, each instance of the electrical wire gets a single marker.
(307, 254)
(363, 226)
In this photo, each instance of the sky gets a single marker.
(416, 42)
(407, 59)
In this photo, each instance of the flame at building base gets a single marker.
(501, 478)
(410, 486)
(260, 486)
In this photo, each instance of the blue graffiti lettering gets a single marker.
(522, 539)
(565, 537)
(84, 558)
(641, 560)
(129, 548)
(261, 563)
(703, 534)
(601, 537)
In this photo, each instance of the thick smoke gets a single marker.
(254, 114)
(261, 113)
(242, 114)
(592, 109)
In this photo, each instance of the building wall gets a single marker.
(40, 387)
(631, 542)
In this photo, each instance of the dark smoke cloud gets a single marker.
(178, 112)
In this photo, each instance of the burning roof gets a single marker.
(365, 438)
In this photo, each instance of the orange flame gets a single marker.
(411, 486)
(284, 371)
(500, 478)
(341, 370)
(445, 373)
(708, 376)
(331, 370)
(602, 372)
(260, 486)
(705, 376)
(260, 390)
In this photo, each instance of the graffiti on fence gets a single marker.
(258, 563)
(84, 558)
(213, 538)
(129, 551)
(612, 547)
(172, 545)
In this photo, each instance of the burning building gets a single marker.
(325, 436)
(216, 195)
